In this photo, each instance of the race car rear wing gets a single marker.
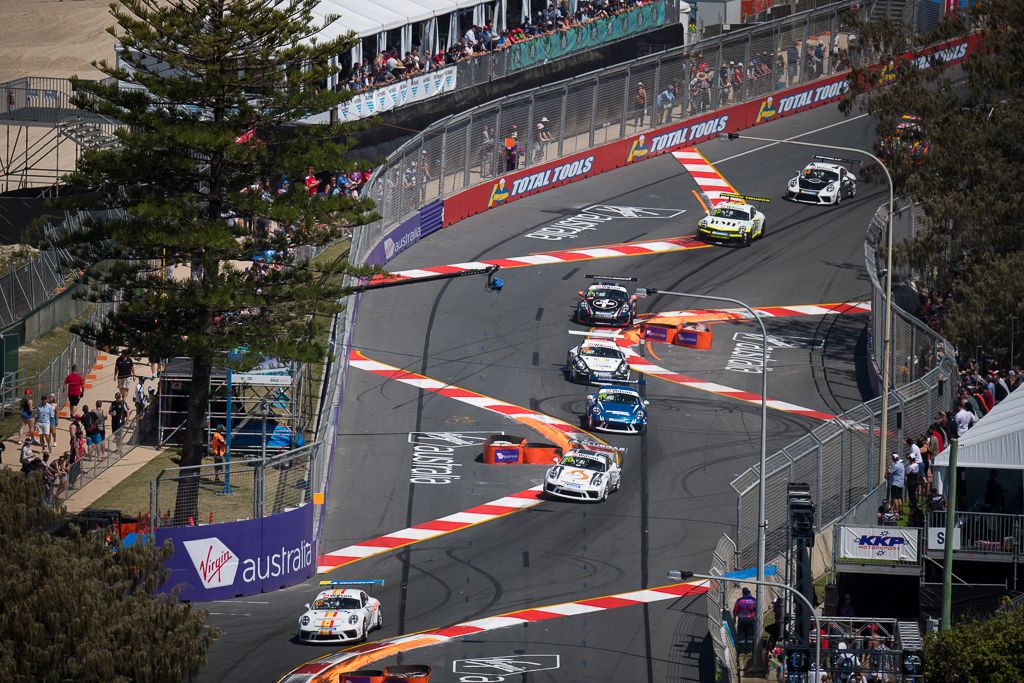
(597, 334)
(612, 278)
(597, 446)
(357, 582)
(744, 197)
(838, 160)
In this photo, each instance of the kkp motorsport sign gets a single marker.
(241, 558)
(892, 544)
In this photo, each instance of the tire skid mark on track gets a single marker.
(362, 655)
(558, 431)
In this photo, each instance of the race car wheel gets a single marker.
(380, 620)
(853, 190)
(604, 496)
(839, 197)
(764, 230)
(746, 239)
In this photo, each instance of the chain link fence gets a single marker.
(841, 459)
(723, 561)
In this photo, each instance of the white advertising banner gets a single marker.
(937, 538)
(395, 95)
(893, 544)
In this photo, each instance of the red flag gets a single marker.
(246, 136)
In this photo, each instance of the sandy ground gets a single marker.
(53, 37)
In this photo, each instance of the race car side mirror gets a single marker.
(307, 606)
(632, 297)
(580, 292)
(647, 403)
(590, 397)
(554, 459)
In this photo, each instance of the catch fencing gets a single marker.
(466, 149)
(723, 561)
(841, 459)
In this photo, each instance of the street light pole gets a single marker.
(762, 521)
(887, 345)
(680, 575)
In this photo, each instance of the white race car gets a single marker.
(732, 221)
(585, 473)
(823, 182)
(340, 615)
(598, 359)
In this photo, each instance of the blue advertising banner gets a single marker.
(409, 232)
(220, 561)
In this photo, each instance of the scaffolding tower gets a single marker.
(267, 414)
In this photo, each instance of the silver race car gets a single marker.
(588, 472)
(340, 615)
(823, 181)
(597, 358)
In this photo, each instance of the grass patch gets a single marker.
(131, 496)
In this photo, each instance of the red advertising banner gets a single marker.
(677, 135)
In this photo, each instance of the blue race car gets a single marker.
(616, 408)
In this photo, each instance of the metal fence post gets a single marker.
(469, 156)
(625, 102)
(561, 121)
(593, 112)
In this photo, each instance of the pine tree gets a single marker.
(210, 93)
(968, 181)
(79, 609)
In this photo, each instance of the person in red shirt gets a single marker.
(311, 181)
(75, 384)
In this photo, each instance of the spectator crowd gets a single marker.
(390, 66)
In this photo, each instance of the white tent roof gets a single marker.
(996, 441)
(368, 18)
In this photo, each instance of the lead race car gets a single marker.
(616, 408)
(596, 358)
(588, 472)
(823, 181)
(340, 615)
(733, 220)
(606, 302)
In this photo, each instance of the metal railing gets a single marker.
(723, 561)
(240, 489)
(49, 380)
(840, 459)
(114, 448)
(985, 532)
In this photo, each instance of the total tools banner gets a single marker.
(684, 133)
(254, 556)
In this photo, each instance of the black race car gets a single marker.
(606, 303)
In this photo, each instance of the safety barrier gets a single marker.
(723, 561)
(840, 460)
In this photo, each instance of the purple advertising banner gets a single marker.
(412, 230)
(227, 560)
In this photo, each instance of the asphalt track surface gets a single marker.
(675, 499)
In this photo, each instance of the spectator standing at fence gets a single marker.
(897, 480)
(745, 612)
(665, 101)
(93, 433)
(28, 420)
(75, 386)
(218, 447)
(640, 105)
(45, 414)
(119, 412)
(101, 418)
(964, 419)
(793, 61)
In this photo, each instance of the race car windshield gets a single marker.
(731, 214)
(337, 603)
(616, 397)
(583, 463)
(821, 174)
(615, 294)
(600, 352)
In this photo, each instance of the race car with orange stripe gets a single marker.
(586, 473)
(340, 615)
